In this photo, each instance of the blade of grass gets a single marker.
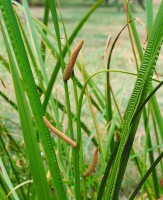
(7, 155)
(157, 139)
(4, 189)
(138, 95)
(151, 156)
(18, 186)
(131, 138)
(71, 39)
(13, 104)
(147, 132)
(7, 179)
(5, 63)
(47, 43)
(140, 52)
(31, 54)
(149, 14)
(107, 171)
(54, 53)
(146, 100)
(27, 77)
(45, 22)
(39, 56)
(33, 152)
(108, 92)
(133, 195)
(94, 118)
(70, 124)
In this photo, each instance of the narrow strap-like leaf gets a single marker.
(28, 80)
(139, 93)
(29, 134)
(71, 39)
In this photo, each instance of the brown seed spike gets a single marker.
(94, 163)
(58, 133)
(70, 65)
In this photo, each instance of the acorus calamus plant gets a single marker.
(56, 165)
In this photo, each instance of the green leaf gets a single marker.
(71, 39)
(33, 97)
(139, 94)
(29, 134)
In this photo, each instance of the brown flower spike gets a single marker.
(58, 133)
(94, 163)
(70, 65)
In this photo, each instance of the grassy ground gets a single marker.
(104, 22)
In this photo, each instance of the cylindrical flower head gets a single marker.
(94, 163)
(70, 65)
(58, 133)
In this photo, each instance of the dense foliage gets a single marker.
(56, 167)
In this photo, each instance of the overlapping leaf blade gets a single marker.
(28, 82)
(139, 94)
